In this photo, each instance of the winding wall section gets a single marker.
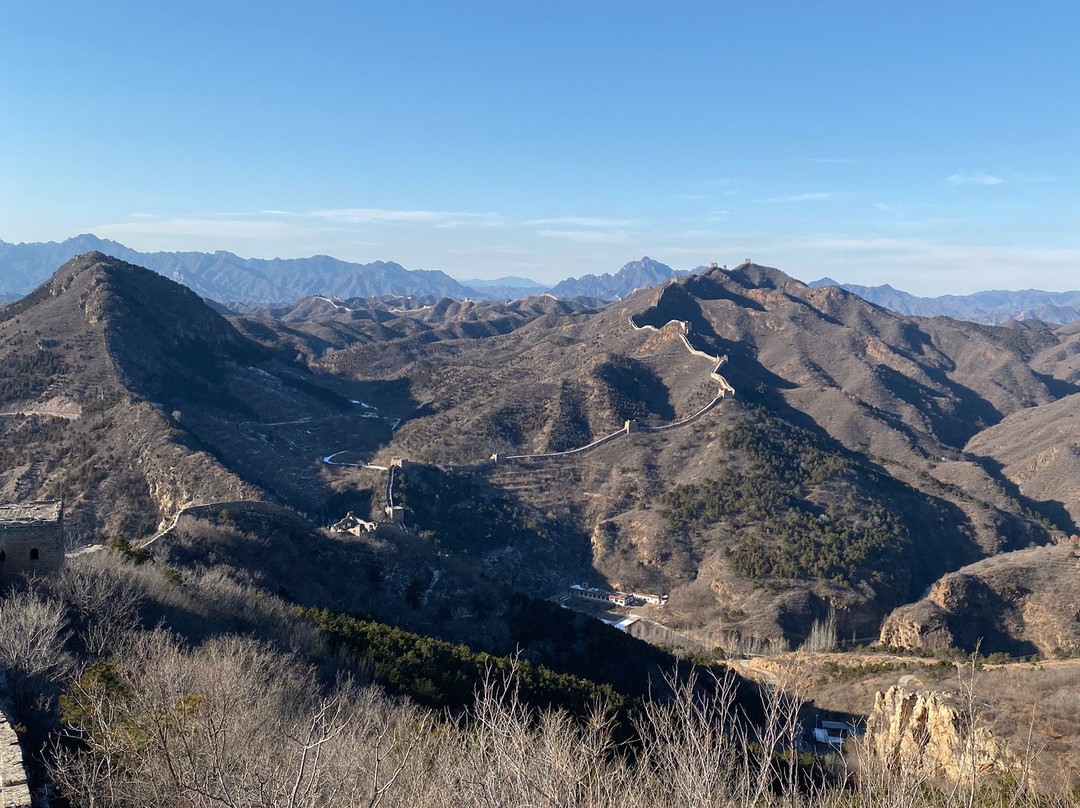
(233, 506)
(725, 390)
(684, 334)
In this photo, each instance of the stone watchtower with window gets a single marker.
(31, 539)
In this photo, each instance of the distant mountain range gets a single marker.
(995, 307)
(130, 397)
(914, 477)
(508, 288)
(226, 277)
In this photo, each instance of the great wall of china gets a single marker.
(226, 509)
(395, 513)
(630, 426)
(14, 789)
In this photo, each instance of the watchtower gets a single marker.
(31, 539)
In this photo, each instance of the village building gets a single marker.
(613, 597)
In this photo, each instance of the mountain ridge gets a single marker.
(228, 278)
(992, 306)
(633, 275)
(846, 470)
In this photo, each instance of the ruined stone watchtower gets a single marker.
(31, 539)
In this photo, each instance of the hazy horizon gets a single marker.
(466, 280)
(926, 147)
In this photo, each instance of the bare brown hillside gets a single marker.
(1019, 603)
(130, 398)
(845, 471)
(1038, 451)
(888, 401)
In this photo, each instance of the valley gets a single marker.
(389, 417)
(608, 445)
(771, 457)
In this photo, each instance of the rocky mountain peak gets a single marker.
(751, 275)
(78, 266)
(633, 275)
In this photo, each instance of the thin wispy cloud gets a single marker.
(694, 233)
(815, 196)
(361, 216)
(489, 222)
(921, 265)
(201, 228)
(378, 216)
(142, 215)
(976, 178)
(588, 236)
(349, 233)
(584, 221)
(385, 216)
(846, 243)
(703, 254)
(489, 249)
(255, 237)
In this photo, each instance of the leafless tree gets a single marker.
(822, 636)
(32, 638)
(504, 753)
(235, 723)
(105, 602)
(692, 743)
(231, 723)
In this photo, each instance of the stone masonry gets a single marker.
(14, 791)
(31, 539)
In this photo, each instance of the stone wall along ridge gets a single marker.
(725, 390)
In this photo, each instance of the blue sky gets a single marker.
(933, 146)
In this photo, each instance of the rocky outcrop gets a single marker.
(932, 735)
(1019, 603)
(919, 626)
